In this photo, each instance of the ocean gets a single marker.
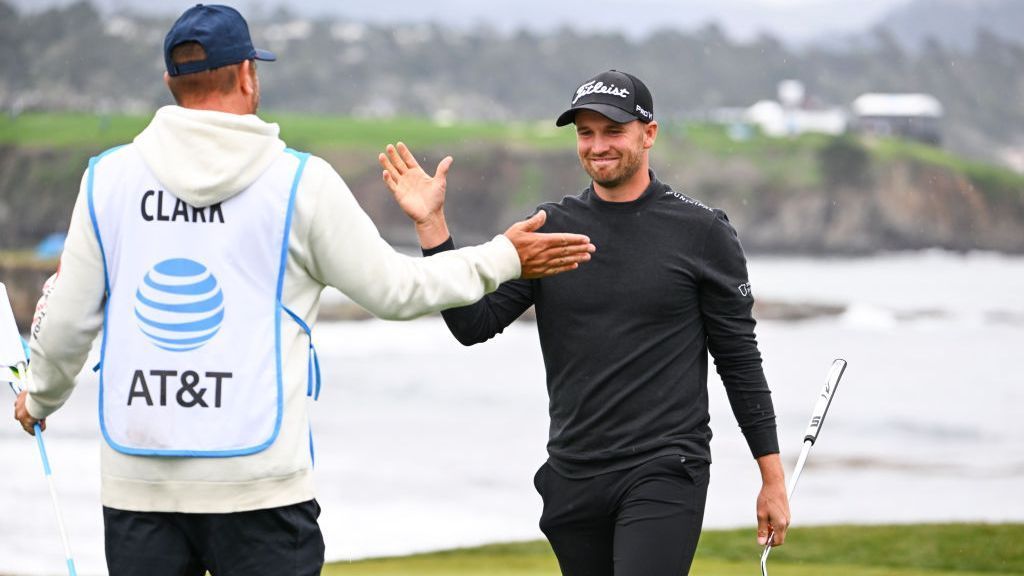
(424, 444)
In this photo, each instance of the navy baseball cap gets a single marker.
(617, 95)
(220, 30)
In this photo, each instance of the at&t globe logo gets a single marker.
(179, 305)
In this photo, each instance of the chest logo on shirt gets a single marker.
(179, 305)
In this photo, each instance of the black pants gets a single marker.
(643, 521)
(273, 542)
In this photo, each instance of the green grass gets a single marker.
(69, 130)
(300, 131)
(336, 132)
(60, 130)
(715, 138)
(917, 550)
(997, 182)
(788, 162)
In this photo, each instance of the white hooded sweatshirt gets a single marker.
(206, 157)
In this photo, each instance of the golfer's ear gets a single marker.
(650, 133)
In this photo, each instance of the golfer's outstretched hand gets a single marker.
(547, 254)
(420, 195)
(21, 415)
(772, 503)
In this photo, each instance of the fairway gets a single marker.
(511, 566)
(918, 550)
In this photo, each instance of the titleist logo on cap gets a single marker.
(598, 87)
(618, 96)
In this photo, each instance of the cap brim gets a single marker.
(265, 55)
(611, 112)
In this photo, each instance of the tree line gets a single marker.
(75, 58)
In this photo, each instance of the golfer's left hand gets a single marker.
(772, 513)
(21, 415)
(420, 195)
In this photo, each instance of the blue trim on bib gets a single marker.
(313, 364)
(302, 157)
(106, 278)
(312, 451)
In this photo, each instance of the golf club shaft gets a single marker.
(798, 469)
(821, 407)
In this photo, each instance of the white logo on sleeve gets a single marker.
(745, 289)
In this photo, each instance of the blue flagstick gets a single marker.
(20, 370)
(53, 496)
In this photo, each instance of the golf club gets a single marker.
(835, 373)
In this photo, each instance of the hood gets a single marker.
(205, 157)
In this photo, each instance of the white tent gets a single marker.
(897, 105)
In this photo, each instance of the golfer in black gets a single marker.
(625, 342)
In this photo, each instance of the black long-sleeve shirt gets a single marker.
(625, 338)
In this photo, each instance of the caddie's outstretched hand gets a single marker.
(420, 195)
(547, 254)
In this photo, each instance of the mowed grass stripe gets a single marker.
(911, 550)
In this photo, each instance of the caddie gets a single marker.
(200, 250)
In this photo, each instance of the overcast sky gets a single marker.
(793, 20)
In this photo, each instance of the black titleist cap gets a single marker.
(617, 95)
(220, 30)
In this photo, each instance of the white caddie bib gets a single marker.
(191, 354)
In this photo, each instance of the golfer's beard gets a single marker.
(631, 163)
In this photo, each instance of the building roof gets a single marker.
(876, 104)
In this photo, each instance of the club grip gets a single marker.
(835, 373)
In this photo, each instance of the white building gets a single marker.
(914, 116)
(793, 114)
